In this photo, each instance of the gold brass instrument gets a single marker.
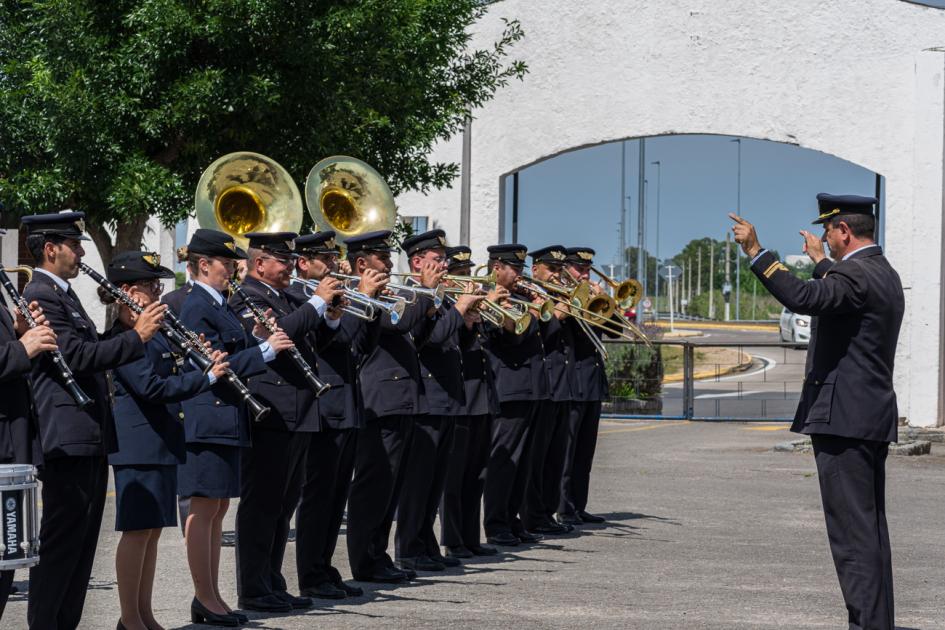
(348, 196)
(247, 192)
(492, 312)
(622, 326)
(626, 292)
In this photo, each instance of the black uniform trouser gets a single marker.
(583, 422)
(378, 477)
(506, 471)
(545, 463)
(329, 465)
(852, 475)
(424, 477)
(270, 484)
(73, 501)
(6, 583)
(461, 507)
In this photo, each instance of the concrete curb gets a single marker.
(918, 447)
(677, 377)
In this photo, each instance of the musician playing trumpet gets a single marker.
(329, 463)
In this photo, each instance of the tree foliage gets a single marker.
(116, 107)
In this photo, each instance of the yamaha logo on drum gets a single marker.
(12, 526)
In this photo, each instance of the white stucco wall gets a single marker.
(858, 79)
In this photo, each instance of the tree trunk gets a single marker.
(128, 237)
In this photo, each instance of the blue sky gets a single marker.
(574, 199)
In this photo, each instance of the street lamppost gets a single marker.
(738, 252)
(659, 174)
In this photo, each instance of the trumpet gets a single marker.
(413, 291)
(362, 305)
(491, 311)
(65, 373)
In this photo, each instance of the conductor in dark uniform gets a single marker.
(272, 470)
(549, 430)
(441, 369)
(518, 363)
(590, 381)
(75, 440)
(848, 405)
(392, 391)
(329, 462)
(461, 507)
(19, 433)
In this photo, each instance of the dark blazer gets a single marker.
(19, 437)
(590, 375)
(441, 365)
(478, 382)
(218, 416)
(149, 418)
(858, 304)
(518, 362)
(175, 299)
(64, 428)
(390, 375)
(559, 359)
(340, 354)
(293, 404)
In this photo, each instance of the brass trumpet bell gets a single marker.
(247, 192)
(347, 196)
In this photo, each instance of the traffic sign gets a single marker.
(647, 303)
(670, 272)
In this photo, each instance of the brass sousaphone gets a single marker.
(247, 192)
(347, 196)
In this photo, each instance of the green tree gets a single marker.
(115, 108)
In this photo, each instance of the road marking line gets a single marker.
(645, 427)
(766, 428)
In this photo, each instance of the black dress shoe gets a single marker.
(297, 603)
(350, 591)
(228, 539)
(570, 519)
(410, 573)
(265, 603)
(550, 528)
(483, 550)
(386, 575)
(447, 561)
(325, 590)
(505, 539)
(200, 614)
(529, 537)
(587, 517)
(421, 563)
(458, 552)
(120, 626)
(243, 619)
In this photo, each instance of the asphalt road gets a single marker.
(708, 529)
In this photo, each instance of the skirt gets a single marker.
(210, 470)
(146, 497)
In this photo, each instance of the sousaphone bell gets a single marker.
(347, 196)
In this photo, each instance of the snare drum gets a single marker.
(19, 517)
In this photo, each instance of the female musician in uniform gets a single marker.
(150, 435)
(216, 423)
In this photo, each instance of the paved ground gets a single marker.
(707, 529)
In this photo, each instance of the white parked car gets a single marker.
(795, 328)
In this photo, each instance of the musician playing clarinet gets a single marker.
(149, 428)
(75, 440)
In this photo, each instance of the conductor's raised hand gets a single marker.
(813, 246)
(745, 235)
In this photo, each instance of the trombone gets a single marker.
(361, 305)
(492, 312)
(626, 292)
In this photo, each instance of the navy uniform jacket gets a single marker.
(559, 359)
(64, 428)
(218, 416)
(518, 362)
(19, 443)
(293, 404)
(149, 418)
(858, 304)
(342, 407)
(175, 299)
(590, 374)
(478, 382)
(390, 375)
(441, 365)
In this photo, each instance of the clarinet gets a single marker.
(68, 378)
(318, 386)
(184, 339)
